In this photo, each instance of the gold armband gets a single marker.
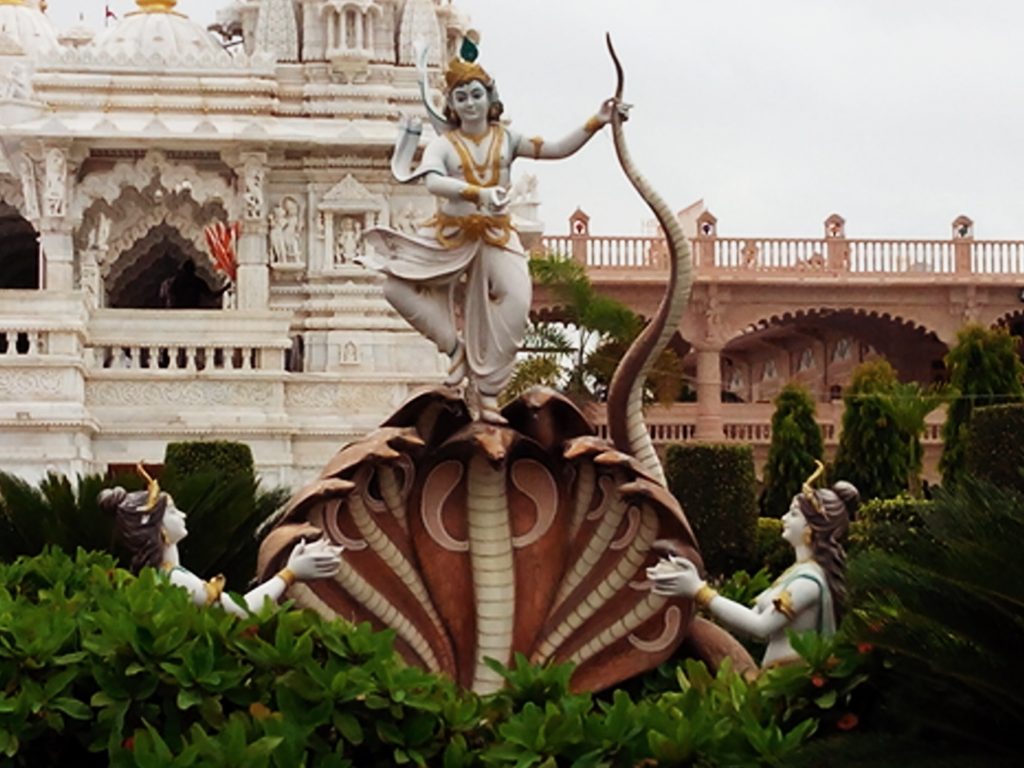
(470, 192)
(288, 576)
(214, 588)
(704, 597)
(594, 124)
(537, 142)
(784, 604)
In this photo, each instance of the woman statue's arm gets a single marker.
(677, 576)
(318, 560)
(540, 149)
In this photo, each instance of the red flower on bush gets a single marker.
(128, 743)
(864, 648)
(847, 722)
(818, 681)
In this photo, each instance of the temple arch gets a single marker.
(134, 280)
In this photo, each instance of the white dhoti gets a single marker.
(424, 271)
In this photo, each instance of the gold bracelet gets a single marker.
(288, 576)
(214, 589)
(470, 192)
(704, 597)
(594, 124)
(537, 142)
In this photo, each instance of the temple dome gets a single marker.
(26, 25)
(156, 30)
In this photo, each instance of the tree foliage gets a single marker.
(873, 451)
(984, 369)
(580, 353)
(945, 606)
(796, 444)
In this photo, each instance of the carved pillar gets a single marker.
(709, 393)
(253, 276)
(55, 244)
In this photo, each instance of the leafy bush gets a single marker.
(103, 668)
(994, 450)
(984, 369)
(772, 551)
(796, 444)
(888, 524)
(715, 485)
(221, 457)
(946, 609)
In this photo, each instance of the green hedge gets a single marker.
(994, 449)
(716, 486)
(102, 668)
(772, 552)
(888, 524)
(201, 457)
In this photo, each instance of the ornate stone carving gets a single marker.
(55, 190)
(24, 384)
(276, 30)
(286, 243)
(348, 209)
(253, 177)
(180, 393)
(29, 189)
(17, 83)
(419, 24)
(330, 397)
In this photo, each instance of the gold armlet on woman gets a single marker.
(470, 192)
(704, 597)
(784, 604)
(537, 142)
(594, 124)
(288, 576)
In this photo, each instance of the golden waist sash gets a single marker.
(493, 230)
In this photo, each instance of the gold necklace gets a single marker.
(474, 171)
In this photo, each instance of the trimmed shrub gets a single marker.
(715, 485)
(984, 369)
(888, 524)
(994, 450)
(200, 457)
(772, 551)
(873, 452)
(796, 444)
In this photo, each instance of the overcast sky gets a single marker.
(897, 114)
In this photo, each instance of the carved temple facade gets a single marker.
(120, 147)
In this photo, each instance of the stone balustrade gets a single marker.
(187, 340)
(831, 254)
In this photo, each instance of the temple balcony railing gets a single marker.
(827, 257)
(743, 423)
(163, 341)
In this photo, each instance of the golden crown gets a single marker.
(463, 68)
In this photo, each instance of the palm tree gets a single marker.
(908, 405)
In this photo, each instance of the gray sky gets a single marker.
(897, 114)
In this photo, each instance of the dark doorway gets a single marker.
(19, 250)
